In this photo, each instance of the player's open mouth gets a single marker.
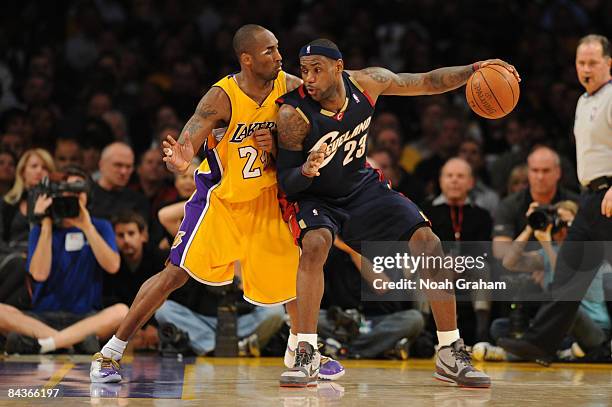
(311, 91)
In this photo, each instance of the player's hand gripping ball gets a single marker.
(492, 91)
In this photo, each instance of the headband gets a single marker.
(320, 50)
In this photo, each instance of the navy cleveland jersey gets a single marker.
(344, 168)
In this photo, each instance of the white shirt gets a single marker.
(593, 132)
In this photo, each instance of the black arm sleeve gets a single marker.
(289, 171)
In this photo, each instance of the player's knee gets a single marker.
(173, 278)
(315, 247)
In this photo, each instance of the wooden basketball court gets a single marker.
(156, 381)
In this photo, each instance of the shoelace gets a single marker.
(109, 363)
(463, 355)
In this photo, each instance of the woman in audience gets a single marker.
(32, 167)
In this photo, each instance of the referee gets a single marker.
(580, 257)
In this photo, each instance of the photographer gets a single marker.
(68, 252)
(549, 226)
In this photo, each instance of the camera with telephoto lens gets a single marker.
(62, 206)
(544, 215)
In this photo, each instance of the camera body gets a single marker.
(544, 215)
(62, 206)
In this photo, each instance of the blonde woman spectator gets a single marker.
(32, 167)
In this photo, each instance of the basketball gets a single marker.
(492, 92)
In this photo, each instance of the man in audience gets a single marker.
(153, 180)
(454, 217)
(110, 194)
(139, 261)
(544, 173)
(67, 257)
(471, 151)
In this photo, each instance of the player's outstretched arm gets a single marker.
(380, 81)
(293, 174)
(212, 111)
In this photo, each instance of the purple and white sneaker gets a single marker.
(330, 369)
(104, 370)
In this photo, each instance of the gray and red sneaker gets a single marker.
(454, 365)
(104, 370)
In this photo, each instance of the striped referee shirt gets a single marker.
(593, 132)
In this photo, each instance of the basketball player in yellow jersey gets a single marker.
(234, 214)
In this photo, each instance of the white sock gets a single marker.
(310, 338)
(114, 348)
(46, 345)
(293, 340)
(445, 338)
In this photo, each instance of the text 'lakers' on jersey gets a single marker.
(244, 170)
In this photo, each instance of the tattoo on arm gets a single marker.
(292, 129)
(209, 113)
(445, 79)
(380, 75)
(412, 84)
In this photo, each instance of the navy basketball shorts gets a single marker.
(374, 212)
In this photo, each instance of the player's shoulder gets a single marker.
(292, 82)
(294, 97)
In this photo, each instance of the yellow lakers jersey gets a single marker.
(245, 171)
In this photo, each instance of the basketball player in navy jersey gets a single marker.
(322, 130)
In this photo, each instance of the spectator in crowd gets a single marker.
(67, 153)
(33, 166)
(117, 122)
(66, 260)
(37, 90)
(139, 261)
(8, 162)
(15, 121)
(153, 180)
(544, 173)
(471, 151)
(455, 217)
(422, 148)
(592, 325)
(13, 142)
(94, 138)
(44, 123)
(194, 308)
(446, 145)
(388, 148)
(110, 194)
(521, 137)
(516, 138)
(99, 104)
(185, 186)
(165, 131)
(519, 179)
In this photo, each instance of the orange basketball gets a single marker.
(492, 92)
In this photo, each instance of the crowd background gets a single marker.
(77, 76)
